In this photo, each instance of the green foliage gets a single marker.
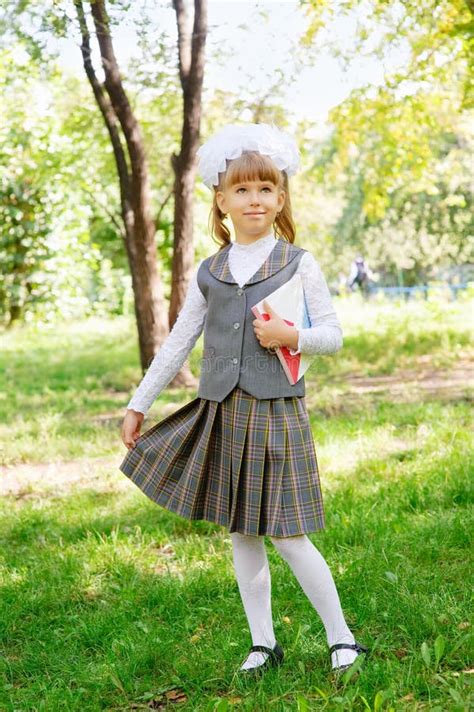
(23, 247)
(56, 151)
(407, 206)
(435, 36)
(400, 152)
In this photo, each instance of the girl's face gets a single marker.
(252, 207)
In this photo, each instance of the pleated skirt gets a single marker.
(245, 463)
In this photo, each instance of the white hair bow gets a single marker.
(233, 139)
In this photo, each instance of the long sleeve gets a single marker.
(174, 350)
(325, 334)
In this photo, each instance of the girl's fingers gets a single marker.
(130, 432)
(128, 439)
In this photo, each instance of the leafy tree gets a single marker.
(25, 207)
(393, 148)
(23, 246)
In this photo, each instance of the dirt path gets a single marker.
(405, 386)
(58, 478)
(455, 382)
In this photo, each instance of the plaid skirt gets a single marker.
(248, 464)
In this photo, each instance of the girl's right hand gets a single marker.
(131, 427)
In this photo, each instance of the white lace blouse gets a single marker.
(323, 337)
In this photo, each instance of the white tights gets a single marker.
(312, 573)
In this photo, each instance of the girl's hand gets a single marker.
(275, 332)
(131, 427)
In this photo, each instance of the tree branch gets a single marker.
(194, 79)
(108, 212)
(115, 90)
(106, 110)
(184, 42)
(162, 206)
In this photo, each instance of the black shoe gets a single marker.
(338, 646)
(275, 657)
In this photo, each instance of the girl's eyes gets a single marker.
(264, 188)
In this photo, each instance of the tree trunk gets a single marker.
(139, 228)
(15, 312)
(191, 45)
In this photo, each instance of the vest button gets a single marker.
(236, 325)
(235, 360)
(240, 291)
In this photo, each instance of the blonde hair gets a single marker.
(252, 166)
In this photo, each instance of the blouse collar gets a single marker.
(282, 253)
(256, 245)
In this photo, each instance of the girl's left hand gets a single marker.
(272, 333)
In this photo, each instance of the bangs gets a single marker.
(251, 166)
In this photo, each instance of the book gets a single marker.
(290, 304)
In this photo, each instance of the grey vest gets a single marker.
(232, 355)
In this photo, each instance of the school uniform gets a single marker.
(241, 454)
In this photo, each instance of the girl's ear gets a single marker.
(220, 200)
(281, 199)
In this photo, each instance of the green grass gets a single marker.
(109, 602)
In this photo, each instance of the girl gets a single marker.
(241, 454)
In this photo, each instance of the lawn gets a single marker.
(109, 602)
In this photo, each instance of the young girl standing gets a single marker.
(241, 454)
